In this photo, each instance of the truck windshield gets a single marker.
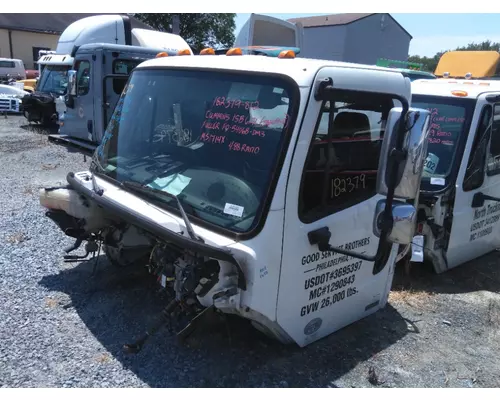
(450, 121)
(54, 79)
(210, 138)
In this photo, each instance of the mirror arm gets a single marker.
(322, 236)
(479, 199)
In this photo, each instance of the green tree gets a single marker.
(198, 30)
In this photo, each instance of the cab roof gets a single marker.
(91, 47)
(302, 70)
(444, 87)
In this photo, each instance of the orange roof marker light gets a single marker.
(207, 51)
(162, 54)
(184, 52)
(459, 93)
(235, 51)
(286, 54)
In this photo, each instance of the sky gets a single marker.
(431, 32)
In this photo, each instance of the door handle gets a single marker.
(479, 199)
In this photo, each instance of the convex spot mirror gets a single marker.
(404, 217)
(71, 89)
(417, 126)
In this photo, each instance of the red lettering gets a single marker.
(258, 133)
(436, 134)
(234, 103)
(217, 116)
(235, 146)
(239, 119)
(210, 138)
(240, 130)
(211, 125)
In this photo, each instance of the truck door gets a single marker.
(475, 227)
(78, 122)
(333, 184)
(114, 84)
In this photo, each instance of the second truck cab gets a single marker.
(459, 205)
(459, 210)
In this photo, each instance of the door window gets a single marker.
(474, 174)
(493, 165)
(342, 164)
(123, 67)
(83, 78)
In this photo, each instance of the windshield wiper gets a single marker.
(152, 191)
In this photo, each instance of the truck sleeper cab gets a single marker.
(459, 205)
(275, 189)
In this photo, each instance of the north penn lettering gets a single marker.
(484, 227)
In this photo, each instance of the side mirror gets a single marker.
(71, 89)
(416, 131)
(404, 217)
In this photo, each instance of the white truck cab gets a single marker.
(277, 189)
(459, 207)
(12, 68)
(47, 105)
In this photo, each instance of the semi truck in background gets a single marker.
(98, 77)
(46, 103)
(87, 111)
(263, 30)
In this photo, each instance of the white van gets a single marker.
(13, 68)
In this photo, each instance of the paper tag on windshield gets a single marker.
(233, 209)
(431, 163)
(438, 181)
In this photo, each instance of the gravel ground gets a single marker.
(61, 327)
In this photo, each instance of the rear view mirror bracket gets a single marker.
(322, 236)
(322, 88)
(479, 199)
